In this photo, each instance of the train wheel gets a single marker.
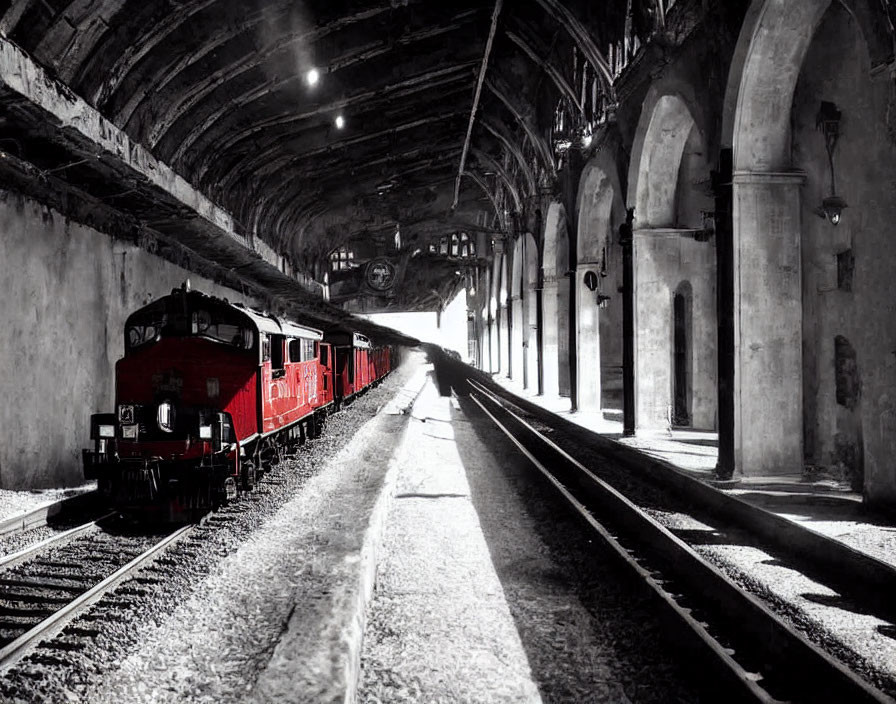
(248, 475)
(229, 489)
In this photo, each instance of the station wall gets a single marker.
(849, 291)
(67, 290)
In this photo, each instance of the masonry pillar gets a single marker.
(768, 313)
(551, 340)
(588, 334)
(504, 340)
(517, 337)
(531, 340)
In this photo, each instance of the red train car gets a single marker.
(207, 393)
(352, 352)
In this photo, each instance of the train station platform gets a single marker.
(470, 605)
(824, 505)
(418, 565)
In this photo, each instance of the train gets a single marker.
(210, 394)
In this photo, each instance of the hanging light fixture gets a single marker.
(828, 121)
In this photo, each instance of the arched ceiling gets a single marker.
(218, 91)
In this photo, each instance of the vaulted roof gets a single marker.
(219, 90)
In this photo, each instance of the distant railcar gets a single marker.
(209, 393)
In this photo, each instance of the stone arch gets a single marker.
(663, 173)
(668, 170)
(555, 302)
(774, 37)
(769, 218)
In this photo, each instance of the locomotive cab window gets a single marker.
(295, 351)
(308, 350)
(146, 325)
(277, 368)
(180, 318)
(301, 350)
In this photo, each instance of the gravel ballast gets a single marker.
(203, 624)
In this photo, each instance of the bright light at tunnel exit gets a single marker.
(312, 77)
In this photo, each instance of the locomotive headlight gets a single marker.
(126, 414)
(205, 432)
(106, 431)
(165, 417)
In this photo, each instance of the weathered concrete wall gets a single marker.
(861, 432)
(662, 262)
(66, 290)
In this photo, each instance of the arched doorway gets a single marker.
(682, 355)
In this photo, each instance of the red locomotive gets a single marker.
(209, 393)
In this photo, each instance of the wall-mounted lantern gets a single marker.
(828, 121)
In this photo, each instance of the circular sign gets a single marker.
(591, 280)
(380, 274)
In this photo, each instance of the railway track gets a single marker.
(45, 586)
(756, 655)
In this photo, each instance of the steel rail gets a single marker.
(765, 630)
(22, 555)
(50, 626)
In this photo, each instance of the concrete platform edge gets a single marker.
(373, 538)
(321, 660)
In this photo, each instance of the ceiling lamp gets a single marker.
(340, 122)
(312, 77)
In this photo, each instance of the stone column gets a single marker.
(768, 321)
(530, 328)
(504, 341)
(492, 344)
(588, 339)
(656, 255)
(517, 337)
(551, 336)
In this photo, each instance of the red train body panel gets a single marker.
(209, 391)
